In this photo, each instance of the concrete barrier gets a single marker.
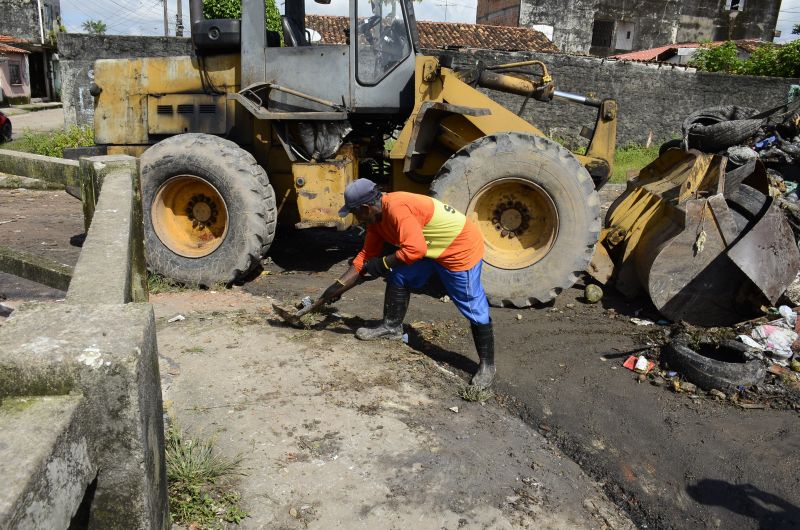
(81, 415)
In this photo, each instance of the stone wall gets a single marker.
(19, 18)
(653, 100)
(78, 53)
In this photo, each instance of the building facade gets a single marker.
(33, 24)
(15, 84)
(605, 27)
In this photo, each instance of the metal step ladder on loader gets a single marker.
(253, 129)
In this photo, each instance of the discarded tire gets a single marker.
(536, 207)
(670, 144)
(723, 366)
(209, 210)
(714, 129)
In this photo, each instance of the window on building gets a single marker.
(15, 73)
(602, 31)
(624, 38)
(734, 5)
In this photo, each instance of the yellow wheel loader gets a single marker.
(254, 129)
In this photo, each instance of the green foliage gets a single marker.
(632, 158)
(195, 474)
(767, 60)
(157, 284)
(723, 58)
(774, 61)
(233, 9)
(53, 143)
(95, 27)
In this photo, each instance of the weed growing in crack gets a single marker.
(157, 284)
(197, 476)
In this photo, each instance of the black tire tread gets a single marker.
(455, 173)
(709, 373)
(260, 199)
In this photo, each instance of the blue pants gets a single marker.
(463, 287)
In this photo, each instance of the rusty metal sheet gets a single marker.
(768, 254)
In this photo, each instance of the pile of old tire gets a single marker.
(717, 128)
(727, 368)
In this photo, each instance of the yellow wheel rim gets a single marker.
(189, 216)
(518, 219)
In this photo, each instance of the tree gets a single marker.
(767, 60)
(95, 27)
(722, 58)
(233, 9)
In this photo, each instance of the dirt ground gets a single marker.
(671, 461)
(338, 433)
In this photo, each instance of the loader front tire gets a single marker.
(209, 210)
(536, 207)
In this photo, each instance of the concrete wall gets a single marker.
(15, 93)
(22, 18)
(80, 392)
(653, 101)
(654, 23)
(78, 53)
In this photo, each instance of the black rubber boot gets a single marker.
(483, 336)
(395, 305)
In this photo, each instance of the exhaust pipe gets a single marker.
(195, 16)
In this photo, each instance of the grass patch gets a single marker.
(157, 284)
(198, 493)
(633, 157)
(474, 393)
(53, 143)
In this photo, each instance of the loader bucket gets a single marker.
(708, 247)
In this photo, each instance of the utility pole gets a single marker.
(166, 20)
(179, 20)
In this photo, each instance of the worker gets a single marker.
(431, 237)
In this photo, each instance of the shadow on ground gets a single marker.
(770, 511)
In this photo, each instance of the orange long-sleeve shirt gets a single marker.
(423, 227)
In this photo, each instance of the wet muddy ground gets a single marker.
(672, 461)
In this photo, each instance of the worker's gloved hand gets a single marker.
(330, 295)
(381, 266)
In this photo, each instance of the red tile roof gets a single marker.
(447, 34)
(6, 39)
(655, 54)
(5, 48)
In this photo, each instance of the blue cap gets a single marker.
(357, 193)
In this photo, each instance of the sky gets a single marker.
(146, 17)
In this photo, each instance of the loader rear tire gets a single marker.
(536, 207)
(209, 210)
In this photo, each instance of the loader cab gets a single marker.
(369, 72)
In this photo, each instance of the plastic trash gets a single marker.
(740, 154)
(776, 339)
(766, 142)
(405, 338)
(749, 341)
(641, 321)
(639, 364)
(788, 315)
(176, 318)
